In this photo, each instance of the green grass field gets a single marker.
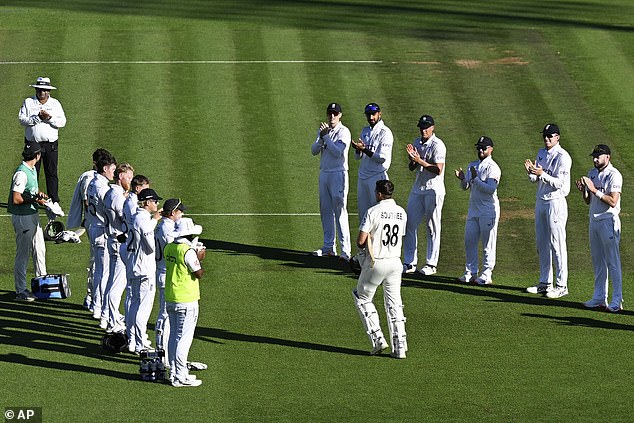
(218, 102)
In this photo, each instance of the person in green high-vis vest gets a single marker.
(182, 292)
(24, 199)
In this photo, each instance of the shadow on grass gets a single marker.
(211, 334)
(508, 294)
(448, 19)
(57, 327)
(582, 321)
(289, 258)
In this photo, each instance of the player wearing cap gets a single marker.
(77, 213)
(333, 143)
(380, 238)
(24, 199)
(601, 189)
(427, 158)
(113, 203)
(96, 221)
(482, 178)
(374, 149)
(142, 262)
(551, 172)
(182, 292)
(42, 116)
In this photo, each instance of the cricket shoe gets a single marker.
(467, 278)
(344, 257)
(379, 346)
(595, 304)
(428, 270)
(615, 308)
(541, 288)
(557, 292)
(188, 382)
(399, 353)
(195, 365)
(409, 268)
(483, 281)
(25, 296)
(322, 253)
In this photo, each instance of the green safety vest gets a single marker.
(31, 187)
(181, 285)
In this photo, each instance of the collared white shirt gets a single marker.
(554, 182)
(379, 140)
(165, 232)
(433, 151)
(141, 253)
(334, 148)
(37, 129)
(483, 199)
(96, 213)
(607, 181)
(113, 203)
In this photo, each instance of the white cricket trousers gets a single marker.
(485, 230)
(366, 195)
(116, 285)
(428, 207)
(143, 291)
(550, 235)
(387, 272)
(183, 318)
(333, 200)
(29, 242)
(605, 237)
(98, 241)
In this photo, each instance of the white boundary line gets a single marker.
(180, 62)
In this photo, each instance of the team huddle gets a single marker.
(381, 237)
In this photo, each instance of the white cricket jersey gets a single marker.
(96, 213)
(432, 151)
(554, 183)
(607, 181)
(334, 148)
(37, 129)
(130, 207)
(77, 204)
(113, 202)
(385, 223)
(379, 140)
(164, 234)
(483, 199)
(140, 244)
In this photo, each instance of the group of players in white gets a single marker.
(386, 228)
(128, 235)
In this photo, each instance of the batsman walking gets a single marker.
(381, 240)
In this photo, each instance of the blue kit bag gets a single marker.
(50, 286)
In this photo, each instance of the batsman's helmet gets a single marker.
(52, 229)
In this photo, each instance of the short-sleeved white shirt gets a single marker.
(385, 223)
(433, 151)
(607, 181)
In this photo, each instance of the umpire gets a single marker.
(42, 116)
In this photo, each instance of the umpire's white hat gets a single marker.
(43, 83)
